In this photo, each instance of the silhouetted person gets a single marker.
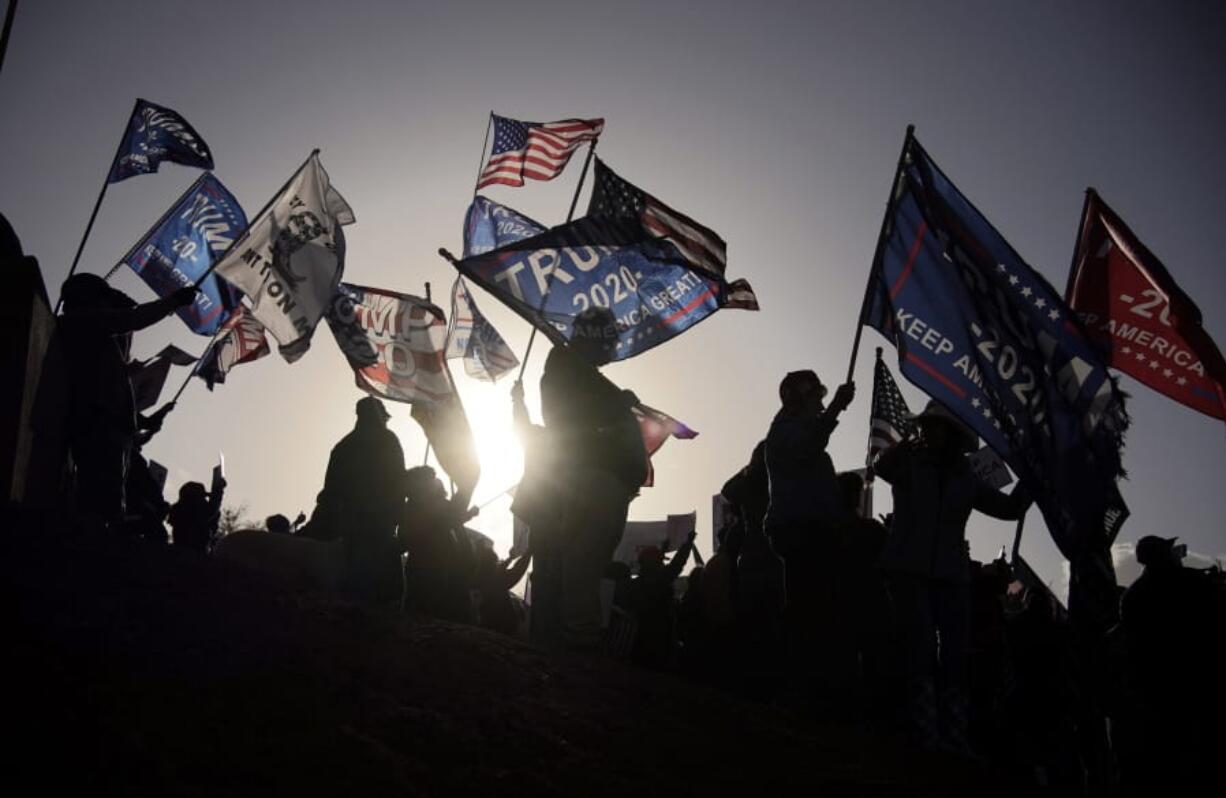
(596, 464)
(497, 609)
(194, 518)
(863, 640)
(802, 522)
(1173, 620)
(440, 565)
(749, 490)
(928, 568)
(277, 524)
(146, 506)
(363, 494)
(96, 334)
(649, 596)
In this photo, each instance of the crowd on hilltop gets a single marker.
(806, 603)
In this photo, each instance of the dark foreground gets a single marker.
(145, 671)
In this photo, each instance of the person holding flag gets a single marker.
(982, 332)
(927, 563)
(95, 330)
(584, 469)
(802, 522)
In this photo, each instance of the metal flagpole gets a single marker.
(242, 237)
(1017, 538)
(8, 29)
(591, 151)
(481, 163)
(881, 237)
(98, 204)
(425, 460)
(161, 219)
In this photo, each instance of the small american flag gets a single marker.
(701, 246)
(891, 420)
(534, 149)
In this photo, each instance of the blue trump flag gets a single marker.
(157, 134)
(183, 245)
(654, 293)
(984, 334)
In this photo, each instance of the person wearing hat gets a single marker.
(361, 501)
(1172, 617)
(802, 518)
(581, 473)
(96, 333)
(926, 562)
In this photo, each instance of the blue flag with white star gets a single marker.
(182, 246)
(611, 262)
(981, 332)
(157, 134)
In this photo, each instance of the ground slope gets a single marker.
(137, 670)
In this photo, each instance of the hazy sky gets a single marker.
(777, 124)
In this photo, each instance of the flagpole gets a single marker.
(242, 237)
(481, 163)
(591, 151)
(161, 219)
(881, 238)
(8, 29)
(1017, 537)
(1072, 267)
(98, 204)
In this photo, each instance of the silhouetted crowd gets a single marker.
(807, 603)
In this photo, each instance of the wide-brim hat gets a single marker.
(934, 411)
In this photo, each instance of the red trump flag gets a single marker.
(1148, 327)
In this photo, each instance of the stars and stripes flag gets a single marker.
(534, 149)
(700, 246)
(890, 421)
(241, 339)
(1142, 320)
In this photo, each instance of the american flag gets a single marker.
(891, 420)
(701, 246)
(534, 149)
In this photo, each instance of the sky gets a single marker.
(778, 124)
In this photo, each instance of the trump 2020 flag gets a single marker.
(984, 334)
(157, 134)
(472, 337)
(181, 247)
(615, 262)
(290, 260)
(1145, 323)
(396, 345)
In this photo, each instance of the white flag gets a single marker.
(290, 260)
(486, 355)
